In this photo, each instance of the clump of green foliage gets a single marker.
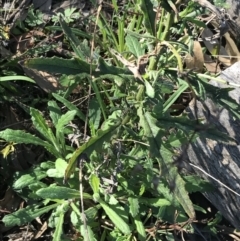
(125, 173)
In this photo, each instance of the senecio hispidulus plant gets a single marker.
(133, 63)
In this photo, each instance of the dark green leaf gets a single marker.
(149, 16)
(20, 137)
(88, 234)
(164, 156)
(55, 111)
(94, 114)
(95, 183)
(27, 179)
(59, 228)
(195, 22)
(26, 215)
(56, 192)
(197, 184)
(70, 106)
(149, 89)
(155, 202)
(115, 218)
(59, 65)
(74, 41)
(133, 206)
(65, 119)
(177, 183)
(40, 124)
(134, 46)
(140, 228)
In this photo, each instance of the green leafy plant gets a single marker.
(33, 181)
(34, 18)
(68, 16)
(124, 164)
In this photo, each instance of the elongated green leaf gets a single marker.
(158, 150)
(40, 123)
(149, 89)
(197, 184)
(115, 218)
(174, 96)
(166, 191)
(76, 217)
(16, 77)
(26, 215)
(231, 105)
(60, 212)
(59, 228)
(155, 202)
(134, 46)
(195, 22)
(76, 31)
(94, 114)
(134, 206)
(94, 143)
(199, 209)
(47, 165)
(175, 53)
(104, 68)
(140, 228)
(55, 143)
(75, 43)
(59, 65)
(117, 79)
(56, 192)
(88, 234)
(94, 182)
(19, 136)
(177, 183)
(107, 30)
(140, 36)
(118, 208)
(55, 111)
(70, 106)
(27, 179)
(65, 119)
(149, 16)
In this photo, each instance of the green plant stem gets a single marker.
(99, 98)
(111, 104)
(160, 26)
(168, 25)
(139, 22)
(121, 40)
(175, 53)
(152, 63)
